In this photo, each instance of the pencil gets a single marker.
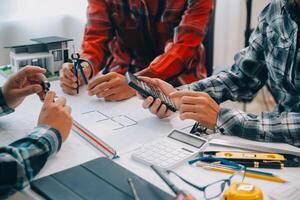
(135, 195)
(247, 174)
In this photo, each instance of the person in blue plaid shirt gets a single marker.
(272, 57)
(23, 159)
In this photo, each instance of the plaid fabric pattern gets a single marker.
(154, 38)
(270, 58)
(23, 159)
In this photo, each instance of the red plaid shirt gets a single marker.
(155, 38)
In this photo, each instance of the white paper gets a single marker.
(120, 124)
(123, 124)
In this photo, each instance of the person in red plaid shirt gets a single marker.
(154, 38)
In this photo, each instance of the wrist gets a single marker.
(52, 135)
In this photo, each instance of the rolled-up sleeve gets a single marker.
(23, 159)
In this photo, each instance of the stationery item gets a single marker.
(262, 164)
(241, 143)
(249, 155)
(46, 86)
(106, 149)
(97, 179)
(243, 191)
(257, 159)
(77, 66)
(180, 194)
(247, 173)
(147, 90)
(132, 187)
(171, 185)
(170, 151)
(217, 164)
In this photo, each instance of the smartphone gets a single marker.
(147, 90)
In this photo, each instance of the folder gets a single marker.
(97, 179)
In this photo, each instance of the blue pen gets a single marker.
(221, 162)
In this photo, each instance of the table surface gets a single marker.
(76, 151)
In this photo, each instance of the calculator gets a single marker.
(171, 151)
(147, 90)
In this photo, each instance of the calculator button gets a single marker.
(163, 165)
(163, 158)
(182, 155)
(176, 158)
(175, 152)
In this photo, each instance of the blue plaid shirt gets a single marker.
(23, 159)
(270, 58)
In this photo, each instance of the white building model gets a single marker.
(48, 52)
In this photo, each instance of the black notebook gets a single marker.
(97, 179)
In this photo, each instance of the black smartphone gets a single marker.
(147, 90)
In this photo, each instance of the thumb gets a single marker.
(49, 97)
(28, 90)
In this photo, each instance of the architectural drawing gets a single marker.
(112, 122)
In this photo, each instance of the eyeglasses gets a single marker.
(215, 189)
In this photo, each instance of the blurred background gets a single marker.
(21, 20)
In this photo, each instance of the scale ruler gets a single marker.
(106, 149)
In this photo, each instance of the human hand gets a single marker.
(68, 81)
(25, 82)
(183, 196)
(198, 106)
(112, 87)
(155, 105)
(56, 114)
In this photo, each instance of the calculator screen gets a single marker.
(185, 138)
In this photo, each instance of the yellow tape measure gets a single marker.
(243, 191)
(249, 155)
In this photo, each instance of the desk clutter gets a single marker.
(104, 179)
(226, 166)
(258, 159)
(97, 179)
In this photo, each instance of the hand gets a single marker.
(155, 105)
(68, 79)
(112, 87)
(198, 106)
(25, 82)
(56, 115)
(183, 196)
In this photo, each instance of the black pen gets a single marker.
(262, 164)
(173, 187)
(135, 195)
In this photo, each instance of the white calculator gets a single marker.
(171, 151)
